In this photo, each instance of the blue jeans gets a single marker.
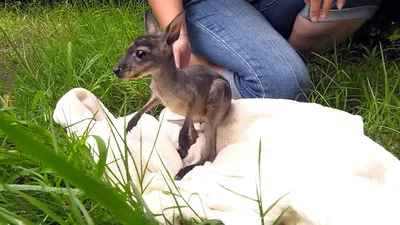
(250, 41)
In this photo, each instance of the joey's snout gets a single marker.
(124, 69)
(116, 70)
(120, 69)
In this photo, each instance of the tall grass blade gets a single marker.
(41, 206)
(278, 220)
(103, 151)
(12, 218)
(106, 195)
(271, 206)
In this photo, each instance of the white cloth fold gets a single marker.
(331, 172)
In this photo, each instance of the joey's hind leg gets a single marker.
(210, 151)
(208, 154)
(216, 109)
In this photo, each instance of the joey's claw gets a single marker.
(130, 126)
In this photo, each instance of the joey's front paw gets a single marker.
(184, 144)
(131, 125)
(183, 151)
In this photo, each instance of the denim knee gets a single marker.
(281, 81)
(236, 36)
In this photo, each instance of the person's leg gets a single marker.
(281, 14)
(236, 36)
(340, 24)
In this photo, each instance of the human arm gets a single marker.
(165, 11)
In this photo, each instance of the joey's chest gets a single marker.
(171, 97)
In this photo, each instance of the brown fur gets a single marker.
(197, 92)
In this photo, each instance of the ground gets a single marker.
(44, 52)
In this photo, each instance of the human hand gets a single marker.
(316, 6)
(182, 51)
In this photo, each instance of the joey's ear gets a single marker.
(150, 23)
(172, 31)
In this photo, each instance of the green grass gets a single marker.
(363, 82)
(44, 52)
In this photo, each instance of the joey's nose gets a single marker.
(116, 70)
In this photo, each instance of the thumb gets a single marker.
(177, 63)
(177, 57)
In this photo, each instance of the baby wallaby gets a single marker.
(197, 92)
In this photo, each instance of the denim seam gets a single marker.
(254, 73)
(244, 61)
(265, 7)
(284, 59)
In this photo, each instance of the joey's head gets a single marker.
(152, 52)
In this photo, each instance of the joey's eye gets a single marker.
(140, 54)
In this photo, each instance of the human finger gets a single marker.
(326, 8)
(341, 3)
(315, 9)
(177, 57)
(184, 61)
(185, 57)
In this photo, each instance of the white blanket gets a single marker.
(318, 158)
